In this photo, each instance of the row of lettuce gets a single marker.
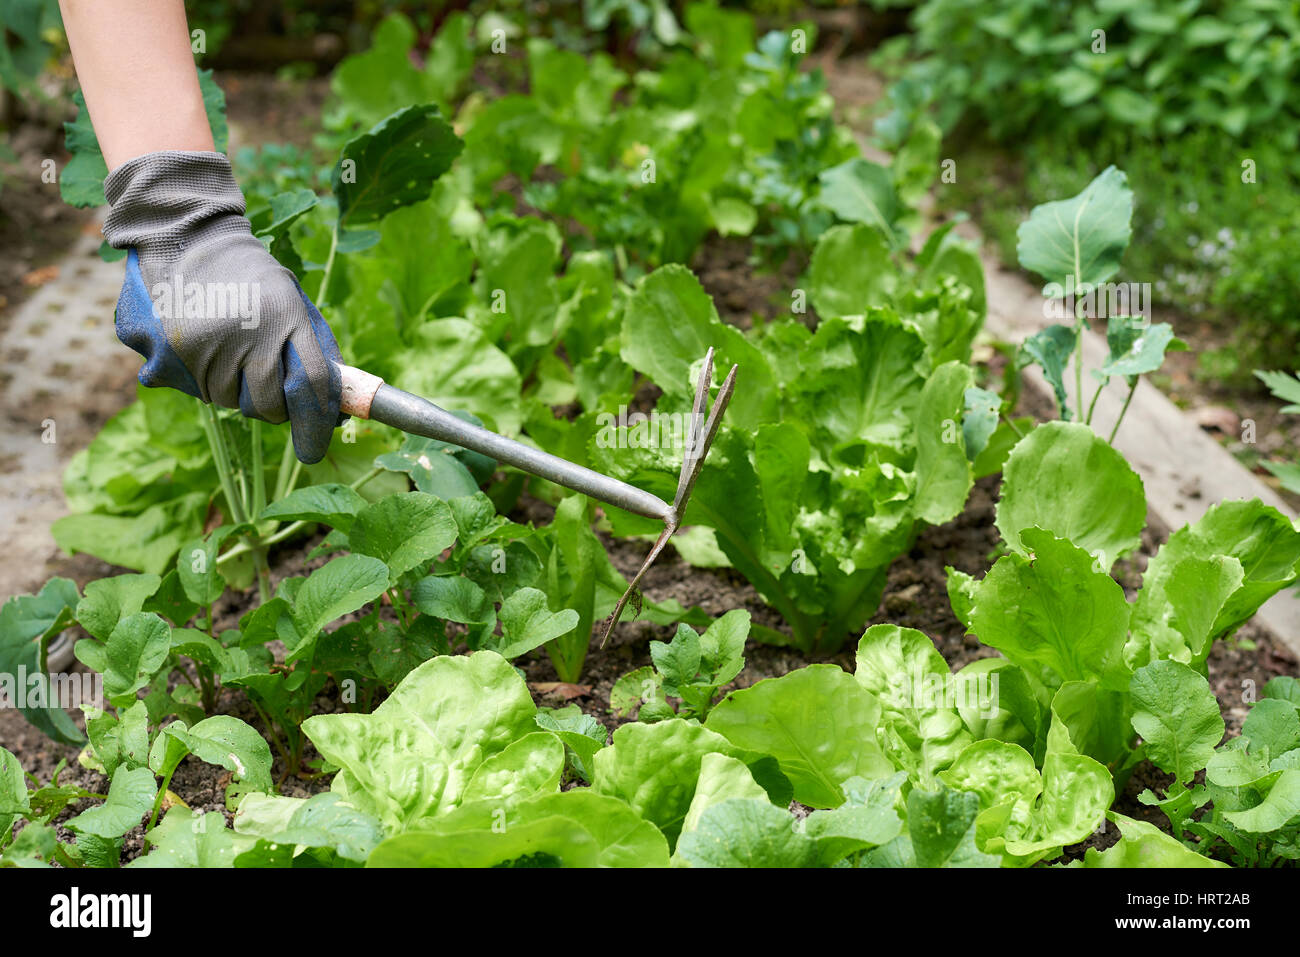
(900, 763)
(846, 436)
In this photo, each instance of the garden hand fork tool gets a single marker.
(367, 396)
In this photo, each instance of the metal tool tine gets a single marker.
(705, 442)
(658, 547)
(700, 436)
(696, 425)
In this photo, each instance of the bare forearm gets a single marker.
(137, 73)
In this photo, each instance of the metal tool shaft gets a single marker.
(410, 413)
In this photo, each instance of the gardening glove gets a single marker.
(209, 308)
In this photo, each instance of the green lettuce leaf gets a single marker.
(818, 722)
(1053, 613)
(415, 755)
(1067, 480)
(1177, 716)
(1143, 845)
(917, 695)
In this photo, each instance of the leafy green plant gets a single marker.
(1070, 507)
(515, 339)
(692, 668)
(1076, 244)
(24, 47)
(1209, 237)
(968, 799)
(132, 756)
(1287, 388)
(731, 136)
(1157, 66)
(830, 463)
(845, 437)
(391, 543)
(390, 166)
(1251, 781)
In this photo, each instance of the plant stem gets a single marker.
(1078, 367)
(207, 692)
(185, 675)
(157, 803)
(278, 537)
(291, 528)
(1127, 400)
(270, 730)
(1012, 426)
(400, 606)
(1093, 404)
(259, 471)
(221, 459)
(263, 571)
(255, 509)
(322, 297)
(293, 474)
(365, 478)
(1079, 327)
(283, 480)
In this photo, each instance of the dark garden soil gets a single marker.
(742, 292)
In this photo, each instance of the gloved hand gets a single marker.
(208, 307)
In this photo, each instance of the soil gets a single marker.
(742, 292)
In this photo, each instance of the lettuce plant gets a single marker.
(841, 441)
(458, 767)
(1251, 783)
(902, 711)
(1070, 507)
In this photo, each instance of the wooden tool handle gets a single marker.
(359, 388)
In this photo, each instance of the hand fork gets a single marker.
(367, 396)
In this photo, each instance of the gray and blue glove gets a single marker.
(209, 308)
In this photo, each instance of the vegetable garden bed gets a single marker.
(917, 618)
